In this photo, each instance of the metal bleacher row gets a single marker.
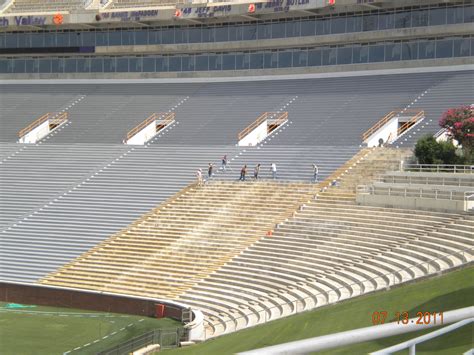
(119, 4)
(31, 6)
(333, 111)
(208, 241)
(81, 185)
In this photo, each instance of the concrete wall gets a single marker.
(144, 135)
(413, 203)
(255, 136)
(388, 130)
(36, 134)
(34, 294)
(63, 297)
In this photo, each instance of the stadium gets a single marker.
(274, 177)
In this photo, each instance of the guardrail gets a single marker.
(387, 279)
(410, 122)
(166, 117)
(166, 338)
(417, 114)
(437, 194)
(425, 180)
(411, 344)
(33, 125)
(362, 335)
(379, 124)
(438, 168)
(59, 118)
(279, 117)
(439, 133)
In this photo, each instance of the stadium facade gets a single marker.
(125, 39)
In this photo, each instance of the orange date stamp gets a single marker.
(421, 318)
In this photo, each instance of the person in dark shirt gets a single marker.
(315, 173)
(224, 163)
(209, 170)
(243, 172)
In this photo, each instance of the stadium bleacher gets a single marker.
(63, 197)
(329, 250)
(448, 93)
(100, 178)
(213, 113)
(83, 207)
(35, 6)
(439, 191)
(120, 4)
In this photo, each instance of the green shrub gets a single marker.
(429, 151)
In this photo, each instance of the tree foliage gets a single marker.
(459, 125)
(429, 151)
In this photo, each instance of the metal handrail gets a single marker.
(423, 180)
(380, 123)
(439, 168)
(167, 117)
(439, 133)
(366, 334)
(411, 344)
(437, 194)
(34, 124)
(280, 117)
(59, 118)
(469, 196)
(388, 278)
(410, 122)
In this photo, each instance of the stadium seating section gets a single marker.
(38, 6)
(82, 209)
(117, 4)
(32, 6)
(208, 240)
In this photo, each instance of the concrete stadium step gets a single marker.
(184, 234)
(334, 250)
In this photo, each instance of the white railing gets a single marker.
(439, 133)
(430, 179)
(5, 6)
(438, 168)
(411, 344)
(381, 282)
(437, 194)
(360, 335)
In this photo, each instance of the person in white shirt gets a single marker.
(274, 170)
(199, 177)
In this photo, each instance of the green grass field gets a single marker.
(451, 291)
(49, 330)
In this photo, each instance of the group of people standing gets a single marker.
(243, 171)
(256, 171)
